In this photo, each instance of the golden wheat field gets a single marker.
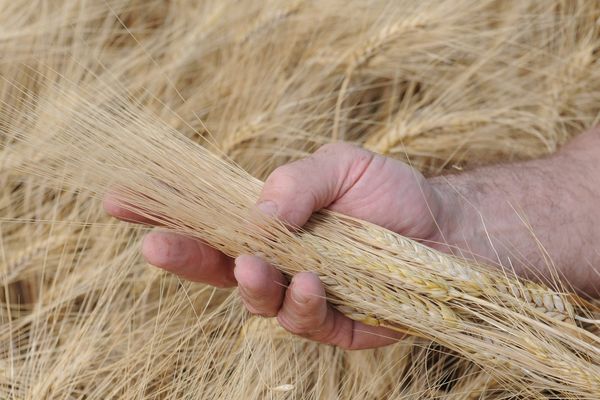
(189, 105)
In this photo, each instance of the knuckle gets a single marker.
(259, 303)
(283, 177)
(295, 326)
(259, 311)
(338, 336)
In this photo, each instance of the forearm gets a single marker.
(531, 215)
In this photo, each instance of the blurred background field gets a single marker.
(443, 85)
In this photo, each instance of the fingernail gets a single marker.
(299, 298)
(236, 261)
(268, 207)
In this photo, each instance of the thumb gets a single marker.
(294, 191)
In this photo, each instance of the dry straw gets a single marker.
(121, 93)
(372, 275)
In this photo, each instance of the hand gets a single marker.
(341, 177)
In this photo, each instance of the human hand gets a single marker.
(340, 177)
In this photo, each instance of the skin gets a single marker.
(488, 214)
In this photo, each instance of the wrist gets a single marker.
(476, 215)
(457, 218)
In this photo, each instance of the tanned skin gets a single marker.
(538, 218)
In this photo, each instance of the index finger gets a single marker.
(113, 206)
